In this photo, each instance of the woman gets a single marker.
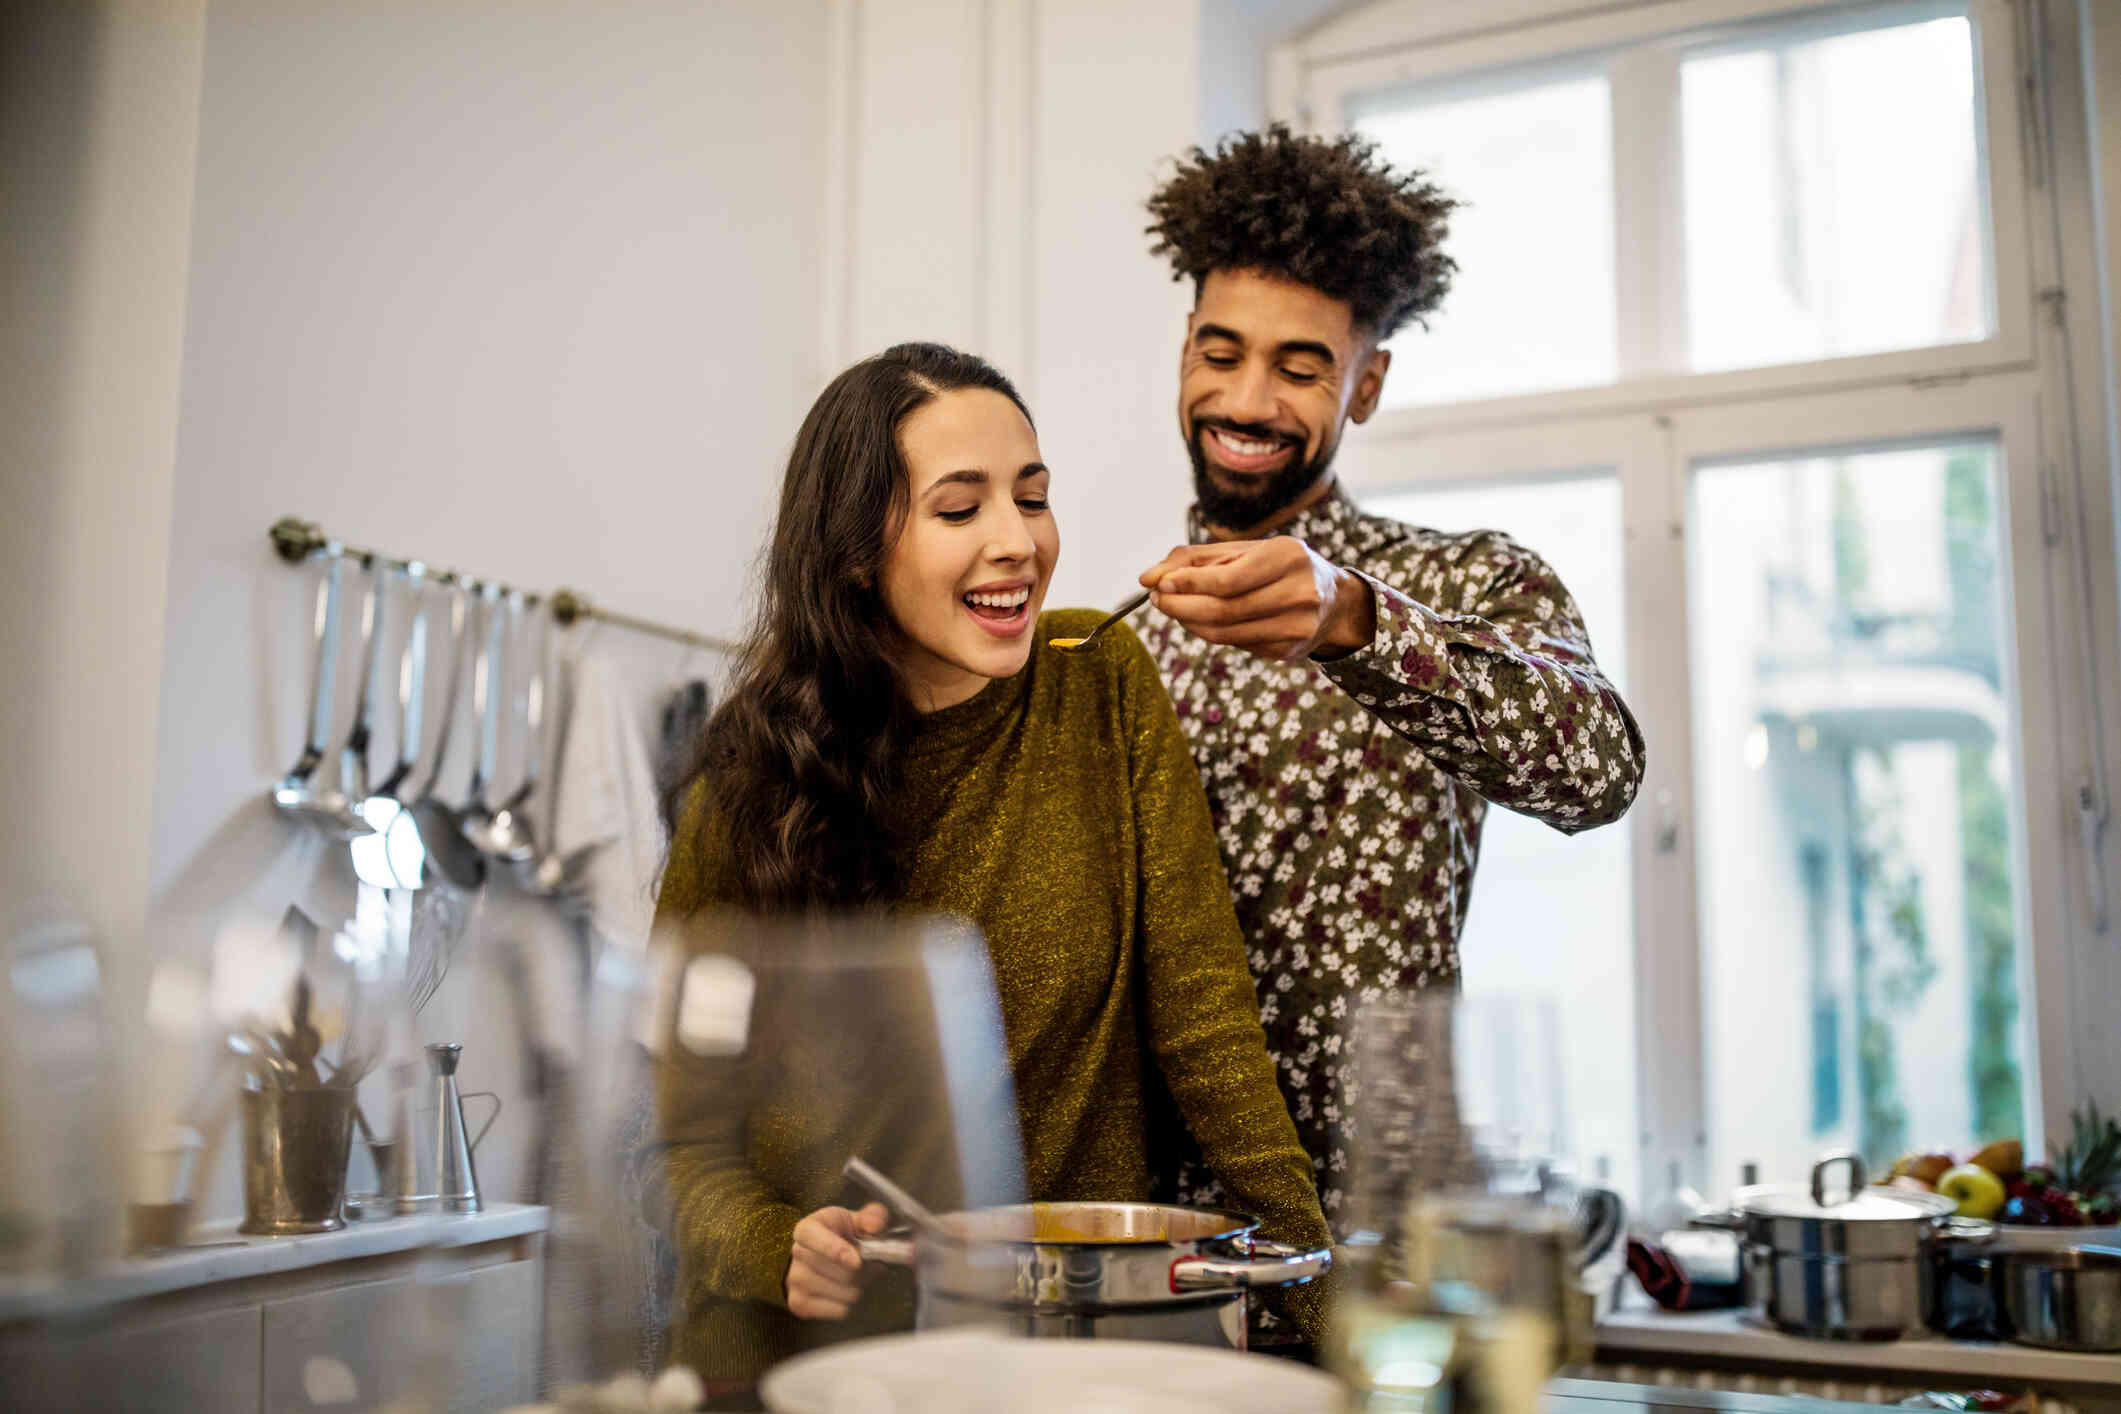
(897, 736)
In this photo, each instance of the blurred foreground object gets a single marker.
(1467, 1247)
(59, 1212)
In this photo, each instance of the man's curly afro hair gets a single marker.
(1327, 213)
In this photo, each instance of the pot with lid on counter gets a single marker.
(1841, 1261)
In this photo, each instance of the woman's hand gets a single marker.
(824, 1269)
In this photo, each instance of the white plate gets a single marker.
(984, 1372)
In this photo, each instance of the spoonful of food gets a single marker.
(1088, 642)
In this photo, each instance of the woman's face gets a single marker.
(966, 571)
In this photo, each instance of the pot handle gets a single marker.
(891, 1251)
(1271, 1264)
(1857, 1175)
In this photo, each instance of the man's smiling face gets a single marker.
(1270, 373)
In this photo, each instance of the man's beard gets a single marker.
(1242, 510)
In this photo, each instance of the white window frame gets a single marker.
(1649, 272)
(1652, 429)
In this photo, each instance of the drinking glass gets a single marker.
(1461, 1256)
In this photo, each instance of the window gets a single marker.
(1743, 341)
(1832, 192)
(1782, 189)
(1528, 158)
(1858, 880)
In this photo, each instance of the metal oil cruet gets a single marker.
(456, 1180)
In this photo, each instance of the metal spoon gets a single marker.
(1088, 642)
(393, 857)
(494, 833)
(908, 1206)
(296, 793)
(441, 833)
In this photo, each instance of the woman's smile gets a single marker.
(1003, 610)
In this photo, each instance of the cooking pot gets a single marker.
(2066, 1298)
(1852, 1265)
(1131, 1271)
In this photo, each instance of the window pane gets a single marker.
(1526, 311)
(1531, 876)
(1834, 194)
(1856, 872)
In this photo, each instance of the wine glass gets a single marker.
(1461, 1251)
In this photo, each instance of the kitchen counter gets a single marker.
(1607, 1397)
(218, 1253)
(250, 1325)
(1646, 1334)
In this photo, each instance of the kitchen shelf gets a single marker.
(1641, 1335)
(24, 1299)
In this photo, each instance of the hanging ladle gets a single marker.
(496, 833)
(441, 833)
(510, 837)
(392, 858)
(297, 793)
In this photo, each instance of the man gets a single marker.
(1356, 690)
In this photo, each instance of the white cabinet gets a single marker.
(341, 1321)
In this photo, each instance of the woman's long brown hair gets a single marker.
(803, 759)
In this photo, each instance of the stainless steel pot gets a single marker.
(1131, 1271)
(1856, 1267)
(2068, 1298)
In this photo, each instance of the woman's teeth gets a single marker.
(1013, 599)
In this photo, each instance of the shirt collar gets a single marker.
(1334, 526)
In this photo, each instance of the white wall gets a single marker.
(990, 168)
(537, 290)
(527, 289)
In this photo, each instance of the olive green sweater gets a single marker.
(1061, 812)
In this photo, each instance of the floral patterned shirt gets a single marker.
(1348, 795)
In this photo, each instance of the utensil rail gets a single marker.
(296, 540)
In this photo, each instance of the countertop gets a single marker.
(1636, 1332)
(219, 1253)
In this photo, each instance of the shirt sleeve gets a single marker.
(1499, 690)
(733, 1231)
(1201, 1010)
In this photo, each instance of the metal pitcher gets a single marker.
(456, 1180)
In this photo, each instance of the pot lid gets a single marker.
(1846, 1201)
(1867, 1205)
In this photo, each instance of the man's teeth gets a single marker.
(1245, 446)
(1014, 598)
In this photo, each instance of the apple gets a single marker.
(2005, 1158)
(1908, 1183)
(1979, 1193)
(1927, 1167)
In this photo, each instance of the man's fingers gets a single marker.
(1275, 600)
(1184, 556)
(1227, 578)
